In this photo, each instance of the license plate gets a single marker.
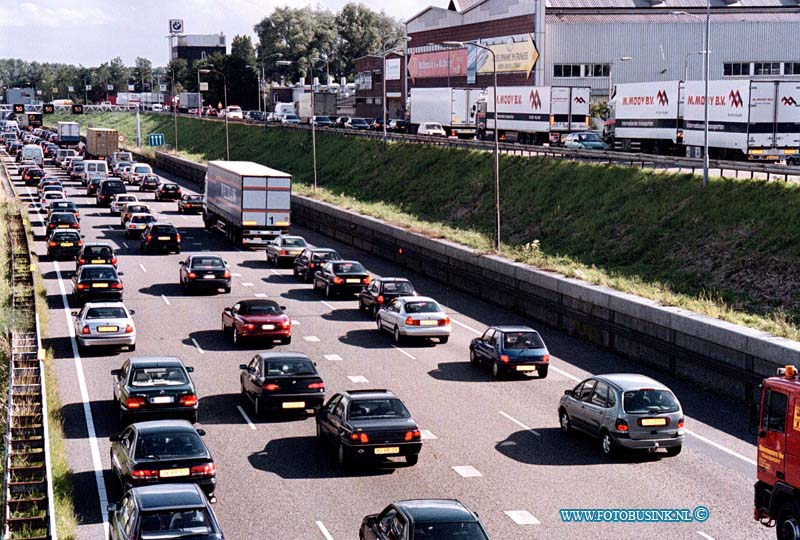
(428, 323)
(353, 281)
(100, 285)
(97, 261)
(293, 404)
(63, 226)
(209, 276)
(67, 244)
(653, 421)
(172, 473)
(108, 328)
(296, 252)
(389, 450)
(268, 327)
(161, 399)
(163, 237)
(526, 368)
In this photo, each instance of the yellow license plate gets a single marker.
(67, 244)
(295, 252)
(107, 328)
(172, 473)
(654, 421)
(353, 281)
(429, 323)
(389, 450)
(97, 261)
(63, 226)
(100, 285)
(526, 368)
(293, 404)
(163, 237)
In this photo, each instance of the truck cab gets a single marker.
(777, 491)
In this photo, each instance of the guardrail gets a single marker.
(27, 495)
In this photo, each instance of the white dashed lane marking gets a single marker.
(260, 295)
(165, 299)
(247, 284)
(324, 531)
(197, 345)
(326, 304)
(462, 325)
(467, 471)
(404, 352)
(522, 517)
(357, 379)
(426, 435)
(520, 424)
(143, 268)
(333, 357)
(246, 418)
(312, 339)
(704, 535)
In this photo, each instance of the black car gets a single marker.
(108, 189)
(381, 291)
(94, 185)
(96, 282)
(434, 519)
(154, 386)
(311, 259)
(32, 175)
(63, 243)
(161, 236)
(341, 276)
(190, 204)
(205, 271)
(323, 122)
(287, 382)
(163, 452)
(63, 206)
(166, 512)
(168, 191)
(62, 220)
(96, 253)
(369, 425)
(398, 126)
(149, 182)
(256, 116)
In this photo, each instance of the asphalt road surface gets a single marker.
(495, 445)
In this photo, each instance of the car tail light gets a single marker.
(317, 386)
(188, 205)
(134, 402)
(311, 265)
(163, 190)
(410, 321)
(75, 225)
(545, 358)
(80, 261)
(80, 243)
(178, 237)
(129, 329)
(444, 322)
(680, 423)
(192, 275)
(411, 435)
(249, 326)
(145, 473)
(82, 286)
(53, 244)
(363, 438)
(226, 275)
(149, 237)
(621, 425)
(114, 261)
(380, 299)
(86, 330)
(116, 285)
(337, 280)
(179, 191)
(366, 280)
(504, 358)
(189, 400)
(271, 387)
(286, 324)
(209, 469)
(51, 225)
(284, 252)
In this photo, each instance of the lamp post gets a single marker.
(175, 104)
(461, 45)
(384, 54)
(313, 125)
(263, 80)
(686, 64)
(610, 71)
(225, 99)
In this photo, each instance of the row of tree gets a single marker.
(315, 41)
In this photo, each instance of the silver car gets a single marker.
(414, 316)
(285, 248)
(625, 411)
(104, 324)
(121, 200)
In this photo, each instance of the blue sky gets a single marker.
(89, 32)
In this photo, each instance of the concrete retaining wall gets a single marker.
(725, 357)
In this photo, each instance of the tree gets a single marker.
(362, 32)
(179, 69)
(142, 73)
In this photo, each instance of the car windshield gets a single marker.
(649, 401)
(422, 307)
(378, 408)
(446, 531)
(169, 444)
(522, 340)
(95, 272)
(291, 117)
(591, 137)
(207, 262)
(170, 187)
(157, 376)
(97, 251)
(290, 367)
(294, 242)
(398, 287)
(323, 119)
(175, 524)
(106, 313)
(265, 308)
(348, 268)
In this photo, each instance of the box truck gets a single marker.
(248, 202)
(101, 143)
(646, 117)
(453, 108)
(69, 134)
(324, 105)
(534, 114)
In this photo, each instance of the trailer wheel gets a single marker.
(788, 526)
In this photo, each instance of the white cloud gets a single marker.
(56, 14)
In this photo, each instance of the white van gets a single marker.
(33, 152)
(9, 125)
(95, 168)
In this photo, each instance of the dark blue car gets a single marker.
(511, 349)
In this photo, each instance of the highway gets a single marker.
(495, 445)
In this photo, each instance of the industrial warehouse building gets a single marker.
(598, 43)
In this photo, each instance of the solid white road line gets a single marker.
(312, 339)
(404, 352)
(247, 284)
(246, 418)
(467, 471)
(720, 447)
(565, 374)
(165, 299)
(326, 304)
(426, 435)
(520, 424)
(143, 268)
(704, 535)
(357, 379)
(462, 325)
(333, 357)
(87, 410)
(324, 531)
(197, 345)
(522, 517)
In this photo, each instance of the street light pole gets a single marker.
(175, 103)
(686, 64)
(707, 66)
(225, 99)
(460, 44)
(311, 62)
(384, 54)
(610, 71)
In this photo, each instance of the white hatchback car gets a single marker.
(121, 200)
(414, 316)
(432, 129)
(104, 324)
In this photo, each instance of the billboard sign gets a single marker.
(447, 63)
(393, 69)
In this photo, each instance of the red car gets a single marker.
(257, 318)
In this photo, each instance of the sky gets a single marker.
(89, 32)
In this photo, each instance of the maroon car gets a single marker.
(257, 318)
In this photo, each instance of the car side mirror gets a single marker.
(113, 438)
(283, 308)
(111, 508)
(227, 310)
(120, 273)
(201, 432)
(180, 263)
(189, 369)
(116, 372)
(242, 366)
(568, 393)
(132, 311)
(75, 313)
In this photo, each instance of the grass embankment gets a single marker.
(729, 251)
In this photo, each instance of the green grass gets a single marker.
(729, 251)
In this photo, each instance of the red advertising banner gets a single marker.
(438, 64)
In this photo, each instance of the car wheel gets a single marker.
(342, 457)
(178, 250)
(286, 341)
(256, 406)
(444, 339)
(361, 306)
(397, 337)
(227, 290)
(123, 418)
(192, 418)
(563, 421)
(541, 372)
(496, 371)
(235, 335)
(607, 445)
(473, 358)
(327, 290)
(132, 347)
(294, 272)
(675, 450)
(412, 460)
(242, 396)
(788, 524)
(379, 324)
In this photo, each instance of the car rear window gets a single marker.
(265, 308)
(164, 229)
(170, 187)
(137, 209)
(194, 198)
(113, 185)
(106, 313)
(176, 524)
(157, 376)
(401, 287)
(62, 217)
(169, 444)
(290, 367)
(294, 242)
(649, 401)
(142, 219)
(94, 272)
(440, 531)
(378, 408)
(348, 268)
(522, 340)
(422, 307)
(141, 170)
(66, 236)
(207, 262)
(98, 251)
(326, 256)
